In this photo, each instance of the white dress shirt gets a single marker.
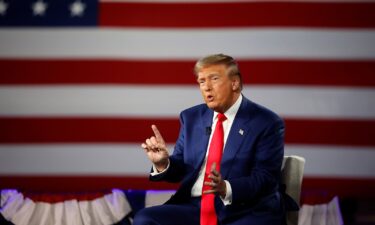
(230, 114)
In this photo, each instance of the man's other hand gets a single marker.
(217, 183)
(156, 150)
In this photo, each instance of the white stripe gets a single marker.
(187, 43)
(95, 159)
(336, 161)
(129, 159)
(169, 101)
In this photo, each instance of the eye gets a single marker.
(215, 78)
(200, 81)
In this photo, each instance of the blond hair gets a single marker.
(219, 59)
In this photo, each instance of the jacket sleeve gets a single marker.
(176, 170)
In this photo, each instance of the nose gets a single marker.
(207, 86)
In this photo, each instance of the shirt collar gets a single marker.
(232, 111)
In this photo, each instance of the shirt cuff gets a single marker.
(156, 172)
(228, 196)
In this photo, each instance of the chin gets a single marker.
(213, 106)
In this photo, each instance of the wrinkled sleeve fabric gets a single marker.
(176, 169)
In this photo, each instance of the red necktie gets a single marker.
(208, 214)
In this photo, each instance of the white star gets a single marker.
(3, 7)
(77, 8)
(39, 8)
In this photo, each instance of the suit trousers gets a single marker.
(189, 214)
(181, 214)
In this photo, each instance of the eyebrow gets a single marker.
(211, 75)
(208, 76)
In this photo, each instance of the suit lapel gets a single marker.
(206, 121)
(236, 136)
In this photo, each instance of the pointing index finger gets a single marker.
(157, 133)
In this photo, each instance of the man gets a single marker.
(228, 157)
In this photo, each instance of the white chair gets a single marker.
(292, 174)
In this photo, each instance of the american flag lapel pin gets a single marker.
(241, 132)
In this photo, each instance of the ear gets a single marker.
(235, 84)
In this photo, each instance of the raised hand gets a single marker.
(217, 183)
(156, 150)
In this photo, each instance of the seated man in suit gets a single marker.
(227, 157)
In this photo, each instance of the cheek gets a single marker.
(201, 90)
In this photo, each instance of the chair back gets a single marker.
(292, 174)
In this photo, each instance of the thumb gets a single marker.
(213, 167)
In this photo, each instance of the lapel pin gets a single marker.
(241, 131)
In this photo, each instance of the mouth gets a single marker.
(210, 98)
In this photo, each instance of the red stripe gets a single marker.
(76, 130)
(268, 72)
(317, 190)
(106, 130)
(53, 197)
(243, 14)
(335, 132)
(80, 183)
(312, 186)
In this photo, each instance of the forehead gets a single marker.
(219, 69)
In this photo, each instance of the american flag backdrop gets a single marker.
(82, 81)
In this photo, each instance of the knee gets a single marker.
(143, 217)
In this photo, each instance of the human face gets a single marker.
(219, 90)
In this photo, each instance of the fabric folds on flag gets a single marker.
(82, 82)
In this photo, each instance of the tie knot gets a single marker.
(221, 117)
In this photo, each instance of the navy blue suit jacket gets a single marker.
(251, 161)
